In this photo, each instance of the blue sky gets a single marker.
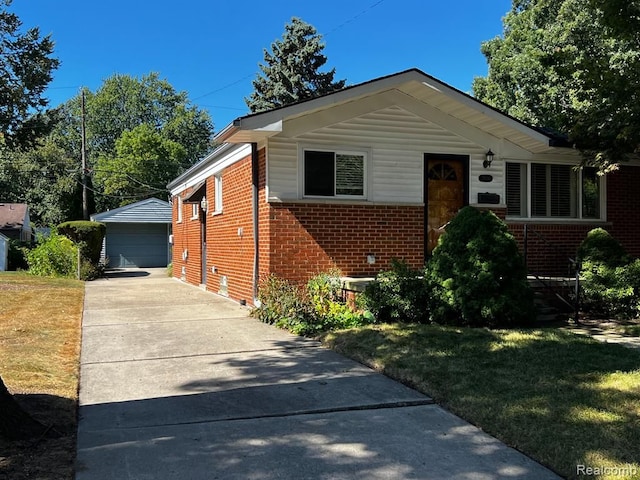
(211, 49)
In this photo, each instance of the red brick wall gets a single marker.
(186, 236)
(230, 246)
(623, 195)
(309, 238)
(549, 250)
(298, 240)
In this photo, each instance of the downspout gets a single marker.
(255, 179)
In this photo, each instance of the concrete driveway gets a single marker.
(178, 383)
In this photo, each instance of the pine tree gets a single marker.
(291, 70)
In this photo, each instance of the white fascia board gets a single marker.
(484, 109)
(273, 117)
(210, 166)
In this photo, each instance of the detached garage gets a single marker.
(137, 234)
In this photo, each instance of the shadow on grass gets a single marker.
(562, 398)
(48, 456)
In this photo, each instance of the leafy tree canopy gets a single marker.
(291, 72)
(26, 66)
(144, 162)
(572, 66)
(121, 118)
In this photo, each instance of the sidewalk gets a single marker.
(179, 383)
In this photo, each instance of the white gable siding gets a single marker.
(397, 141)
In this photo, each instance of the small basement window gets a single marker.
(339, 174)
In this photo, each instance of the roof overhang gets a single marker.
(197, 194)
(414, 83)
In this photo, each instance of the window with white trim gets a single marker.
(179, 209)
(217, 197)
(194, 211)
(539, 190)
(339, 174)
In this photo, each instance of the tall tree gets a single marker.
(572, 66)
(291, 71)
(121, 105)
(144, 161)
(26, 66)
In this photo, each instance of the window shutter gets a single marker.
(562, 191)
(538, 190)
(516, 189)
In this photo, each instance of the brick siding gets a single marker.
(298, 240)
(306, 239)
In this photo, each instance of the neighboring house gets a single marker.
(374, 172)
(14, 221)
(4, 253)
(137, 234)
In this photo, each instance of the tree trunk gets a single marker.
(15, 423)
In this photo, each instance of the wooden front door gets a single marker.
(445, 187)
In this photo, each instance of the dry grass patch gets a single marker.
(39, 359)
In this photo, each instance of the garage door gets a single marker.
(137, 244)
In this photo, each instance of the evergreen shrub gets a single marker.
(88, 236)
(610, 279)
(477, 276)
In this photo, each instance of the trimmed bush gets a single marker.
(610, 280)
(399, 295)
(55, 256)
(88, 237)
(599, 246)
(477, 276)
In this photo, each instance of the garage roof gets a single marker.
(151, 210)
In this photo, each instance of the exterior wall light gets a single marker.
(204, 204)
(489, 158)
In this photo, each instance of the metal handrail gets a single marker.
(575, 304)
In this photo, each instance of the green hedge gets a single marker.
(610, 279)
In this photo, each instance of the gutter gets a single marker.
(255, 179)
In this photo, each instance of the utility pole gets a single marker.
(85, 200)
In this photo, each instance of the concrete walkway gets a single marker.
(178, 383)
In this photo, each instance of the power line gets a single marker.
(352, 19)
(355, 17)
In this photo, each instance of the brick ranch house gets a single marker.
(373, 172)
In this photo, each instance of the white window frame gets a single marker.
(179, 204)
(363, 152)
(194, 211)
(579, 195)
(217, 197)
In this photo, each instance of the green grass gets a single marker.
(561, 398)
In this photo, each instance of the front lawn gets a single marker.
(39, 358)
(563, 399)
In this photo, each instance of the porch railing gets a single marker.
(564, 288)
